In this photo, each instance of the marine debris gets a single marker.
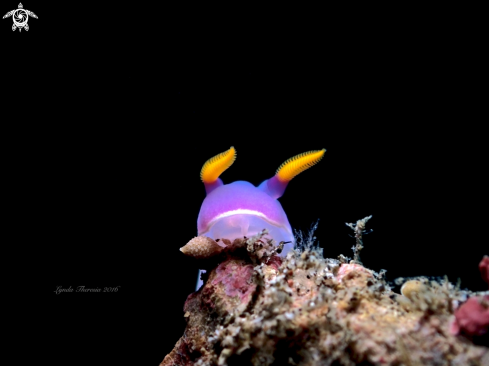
(257, 308)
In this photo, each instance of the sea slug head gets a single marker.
(240, 209)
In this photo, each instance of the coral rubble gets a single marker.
(257, 308)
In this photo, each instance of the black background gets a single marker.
(109, 113)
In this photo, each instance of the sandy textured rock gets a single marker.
(201, 247)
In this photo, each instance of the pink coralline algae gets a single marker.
(256, 308)
(472, 318)
(234, 279)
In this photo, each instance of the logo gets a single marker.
(20, 17)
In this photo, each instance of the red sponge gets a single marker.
(472, 318)
(484, 268)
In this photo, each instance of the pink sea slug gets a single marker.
(240, 209)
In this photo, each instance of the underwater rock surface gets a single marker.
(257, 308)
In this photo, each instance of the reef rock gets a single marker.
(257, 308)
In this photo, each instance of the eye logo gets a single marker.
(20, 17)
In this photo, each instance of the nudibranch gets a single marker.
(240, 209)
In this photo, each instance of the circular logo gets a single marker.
(20, 17)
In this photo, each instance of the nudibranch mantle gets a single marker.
(240, 209)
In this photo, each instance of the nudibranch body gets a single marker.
(240, 209)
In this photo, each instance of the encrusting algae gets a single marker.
(257, 308)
